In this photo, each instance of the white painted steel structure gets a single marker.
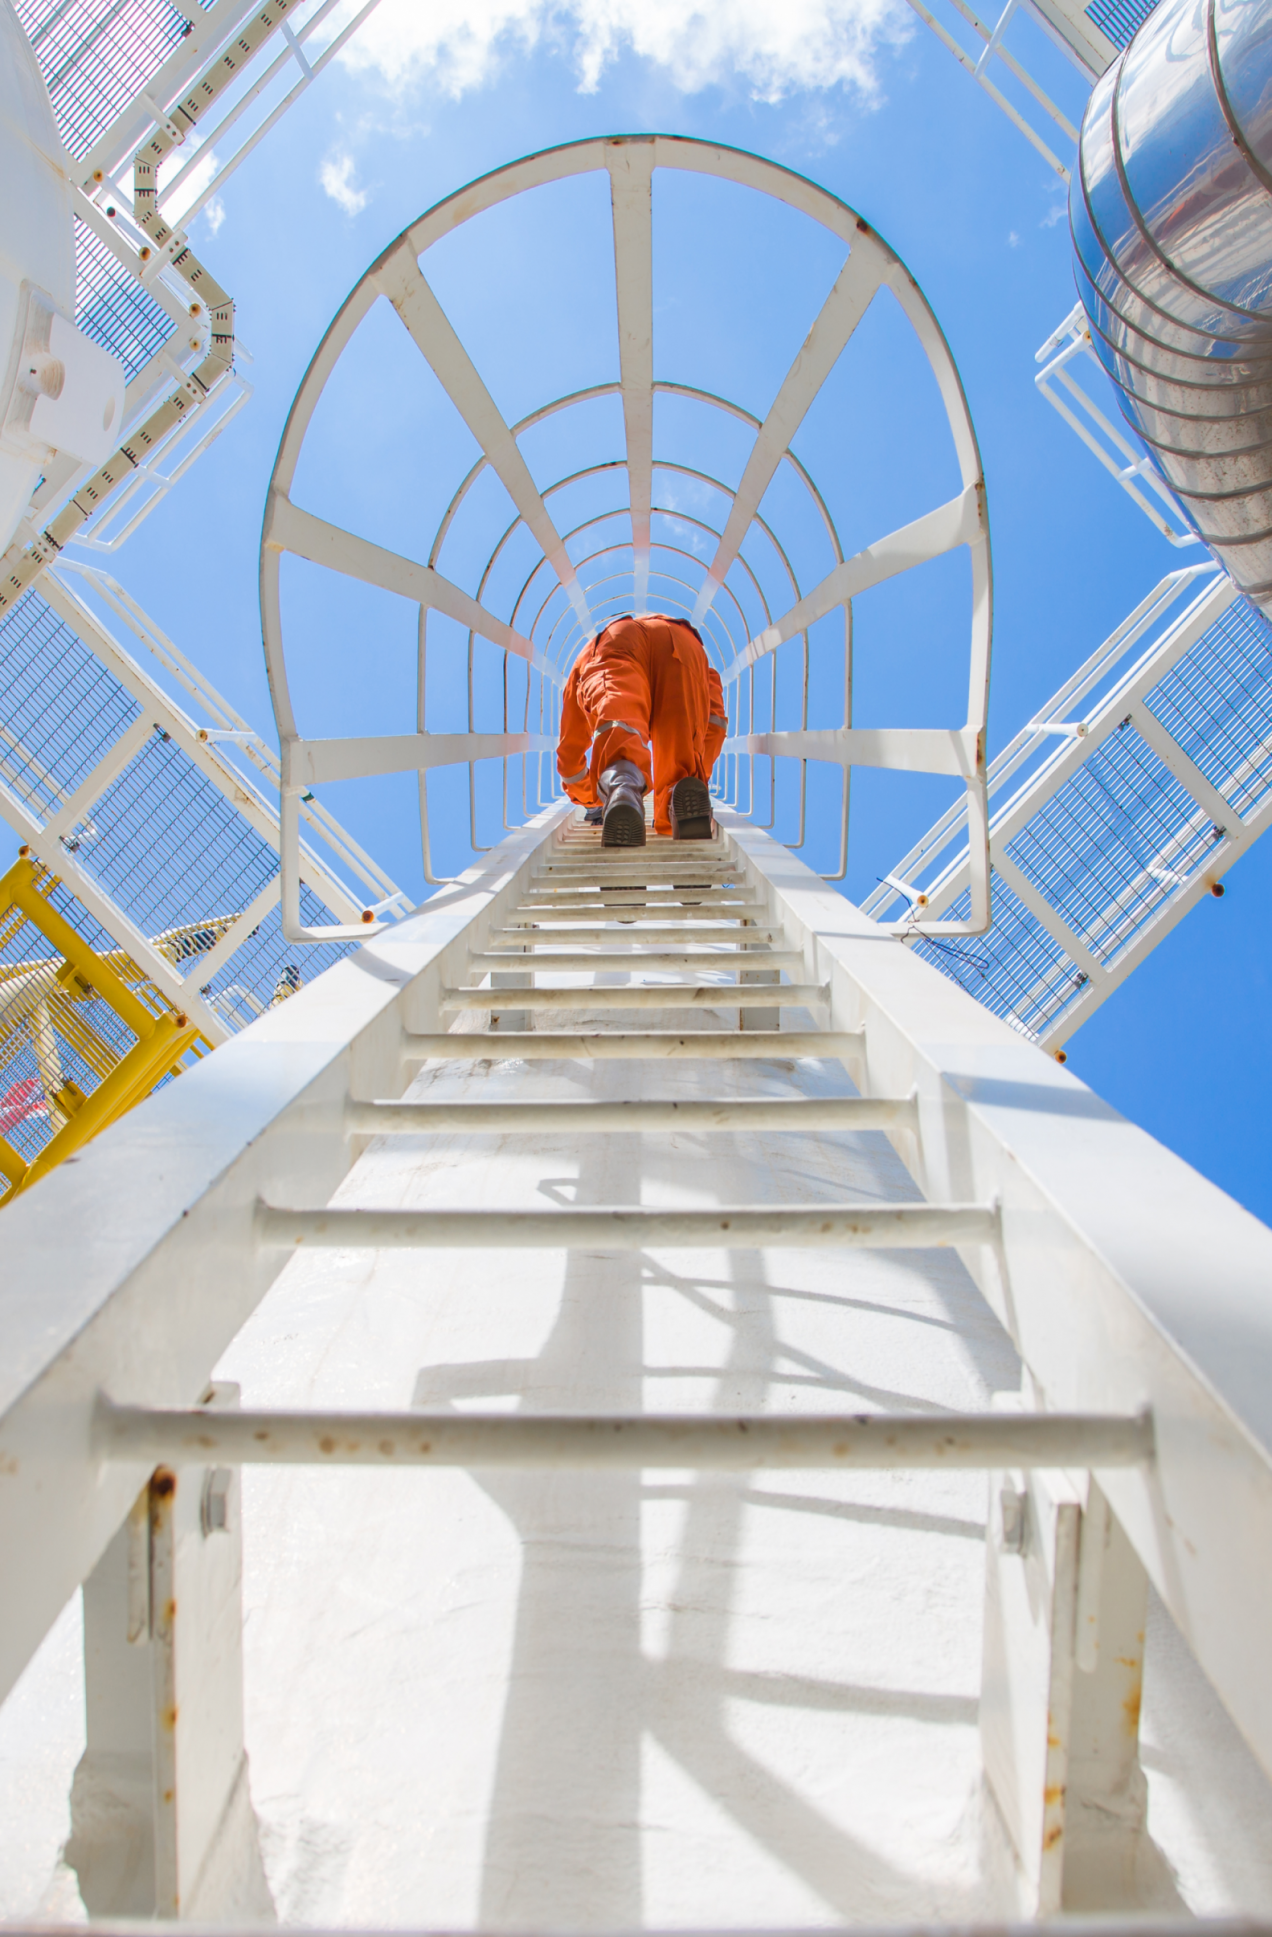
(1119, 808)
(1132, 1289)
(117, 718)
(552, 618)
(1067, 353)
(1140, 1444)
(221, 81)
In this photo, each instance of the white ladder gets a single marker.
(246, 1174)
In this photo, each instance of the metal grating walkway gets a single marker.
(1146, 786)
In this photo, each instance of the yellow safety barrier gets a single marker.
(98, 1012)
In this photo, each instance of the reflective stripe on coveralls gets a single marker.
(641, 679)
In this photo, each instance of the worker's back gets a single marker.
(645, 643)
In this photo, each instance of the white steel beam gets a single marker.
(631, 176)
(954, 750)
(854, 290)
(958, 522)
(1045, 915)
(398, 276)
(1176, 761)
(1124, 1278)
(210, 965)
(90, 790)
(289, 529)
(310, 762)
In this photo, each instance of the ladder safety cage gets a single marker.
(555, 612)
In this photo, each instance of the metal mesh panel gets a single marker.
(168, 845)
(60, 710)
(1114, 843)
(112, 307)
(267, 969)
(172, 852)
(1217, 703)
(97, 55)
(1120, 19)
(1017, 970)
(162, 840)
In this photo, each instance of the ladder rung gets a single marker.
(874, 1441)
(672, 928)
(608, 909)
(544, 960)
(594, 879)
(639, 899)
(719, 1045)
(685, 860)
(644, 995)
(728, 1227)
(734, 1114)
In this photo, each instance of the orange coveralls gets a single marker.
(641, 679)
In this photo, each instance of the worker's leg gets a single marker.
(678, 724)
(615, 743)
(618, 699)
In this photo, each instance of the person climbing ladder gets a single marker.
(648, 699)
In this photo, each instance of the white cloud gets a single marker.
(215, 213)
(1056, 213)
(1013, 240)
(773, 47)
(336, 177)
(203, 163)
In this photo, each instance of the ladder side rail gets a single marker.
(137, 1289)
(1125, 1279)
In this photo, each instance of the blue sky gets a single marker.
(880, 115)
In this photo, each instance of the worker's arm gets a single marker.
(717, 719)
(574, 744)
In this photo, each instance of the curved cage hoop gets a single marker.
(584, 575)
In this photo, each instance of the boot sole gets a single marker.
(624, 826)
(690, 811)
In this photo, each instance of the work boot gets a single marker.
(690, 810)
(623, 786)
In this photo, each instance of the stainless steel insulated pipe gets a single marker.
(1171, 210)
